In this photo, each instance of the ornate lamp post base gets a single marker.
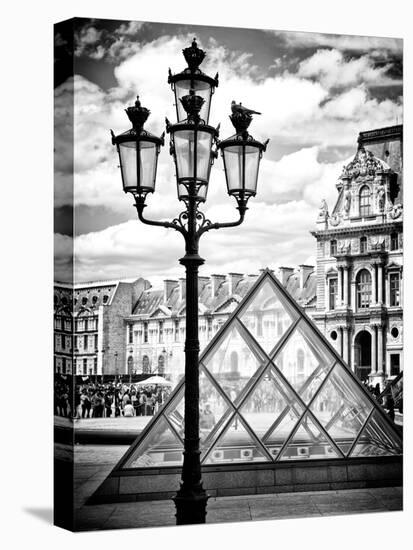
(191, 505)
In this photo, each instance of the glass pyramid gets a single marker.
(271, 389)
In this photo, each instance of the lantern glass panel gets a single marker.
(200, 88)
(241, 168)
(138, 162)
(127, 154)
(193, 154)
(148, 164)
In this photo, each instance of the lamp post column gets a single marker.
(191, 499)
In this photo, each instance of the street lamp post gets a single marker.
(193, 145)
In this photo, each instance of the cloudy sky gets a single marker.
(316, 92)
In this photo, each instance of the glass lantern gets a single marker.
(138, 153)
(192, 78)
(241, 155)
(191, 147)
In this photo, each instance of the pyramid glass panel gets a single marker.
(212, 407)
(341, 407)
(233, 363)
(267, 316)
(175, 412)
(308, 442)
(235, 444)
(377, 439)
(160, 447)
(301, 404)
(266, 402)
(281, 430)
(304, 360)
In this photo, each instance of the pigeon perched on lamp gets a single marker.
(239, 108)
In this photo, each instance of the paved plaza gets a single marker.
(94, 462)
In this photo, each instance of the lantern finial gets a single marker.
(137, 115)
(193, 55)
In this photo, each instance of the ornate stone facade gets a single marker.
(360, 259)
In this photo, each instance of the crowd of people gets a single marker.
(94, 400)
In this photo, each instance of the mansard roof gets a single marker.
(152, 301)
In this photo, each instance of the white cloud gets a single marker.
(341, 41)
(297, 108)
(270, 236)
(333, 70)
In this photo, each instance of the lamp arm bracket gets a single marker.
(207, 224)
(174, 224)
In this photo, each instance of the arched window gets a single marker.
(130, 364)
(365, 201)
(363, 245)
(300, 364)
(363, 284)
(234, 361)
(145, 365)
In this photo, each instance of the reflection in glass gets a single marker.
(269, 399)
(341, 407)
(267, 317)
(308, 442)
(304, 360)
(282, 428)
(161, 447)
(235, 445)
(376, 439)
(232, 363)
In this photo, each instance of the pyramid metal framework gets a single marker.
(271, 389)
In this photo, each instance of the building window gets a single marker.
(96, 342)
(332, 293)
(84, 366)
(130, 340)
(394, 289)
(160, 332)
(105, 299)
(363, 285)
(161, 365)
(145, 365)
(76, 342)
(85, 341)
(394, 241)
(145, 332)
(95, 365)
(333, 248)
(300, 364)
(176, 323)
(394, 364)
(365, 201)
(363, 245)
(63, 342)
(64, 365)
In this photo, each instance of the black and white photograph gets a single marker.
(228, 285)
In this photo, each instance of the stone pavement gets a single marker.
(93, 463)
(243, 508)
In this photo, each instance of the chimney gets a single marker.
(305, 271)
(182, 288)
(168, 286)
(233, 280)
(202, 281)
(216, 281)
(284, 273)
